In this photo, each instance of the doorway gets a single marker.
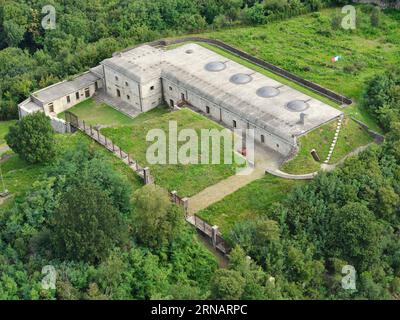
(171, 103)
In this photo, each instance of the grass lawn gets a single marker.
(19, 176)
(186, 179)
(351, 136)
(4, 126)
(95, 113)
(319, 139)
(305, 45)
(248, 202)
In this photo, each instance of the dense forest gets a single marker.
(143, 250)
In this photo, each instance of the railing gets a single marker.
(201, 225)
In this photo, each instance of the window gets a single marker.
(127, 84)
(68, 99)
(87, 93)
(128, 97)
(182, 96)
(96, 86)
(51, 107)
(170, 88)
(234, 123)
(152, 88)
(118, 93)
(277, 145)
(207, 109)
(77, 95)
(116, 78)
(262, 138)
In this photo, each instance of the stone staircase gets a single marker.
(339, 126)
(102, 97)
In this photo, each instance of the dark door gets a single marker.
(171, 103)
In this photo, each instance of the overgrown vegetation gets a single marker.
(347, 217)
(79, 219)
(89, 31)
(32, 138)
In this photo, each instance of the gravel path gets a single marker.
(263, 159)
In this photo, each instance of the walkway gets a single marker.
(263, 159)
(324, 167)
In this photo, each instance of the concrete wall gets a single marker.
(62, 104)
(59, 125)
(173, 91)
(142, 96)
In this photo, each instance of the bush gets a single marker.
(32, 138)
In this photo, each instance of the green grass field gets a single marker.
(95, 113)
(19, 176)
(248, 202)
(351, 136)
(186, 179)
(4, 126)
(305, 45)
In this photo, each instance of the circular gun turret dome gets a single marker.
(297, 105)
(215, 66)
(240, 78)
(267, 92)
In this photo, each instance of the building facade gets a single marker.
(228, 92)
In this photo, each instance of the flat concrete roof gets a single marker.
(141, 64)
(186, 64)
(65, 88)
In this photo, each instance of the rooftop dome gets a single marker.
(240, 78)
(297, 105)
(189, 51)
(267, 92)
(215, 66)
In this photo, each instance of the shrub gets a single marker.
(32, 138)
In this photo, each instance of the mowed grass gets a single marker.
(351, 136)
(305, 45)
(248, 202)
(186, 179)
(95, 113)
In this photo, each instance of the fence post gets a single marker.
(84, 126)
(146, 175)
(105, 141)
(185, 202)
(98, 135)
(214, 231)
(173, 193)
(113, 146)
(91, 130)
(120, 153)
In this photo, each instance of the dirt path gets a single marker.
(263, 159)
